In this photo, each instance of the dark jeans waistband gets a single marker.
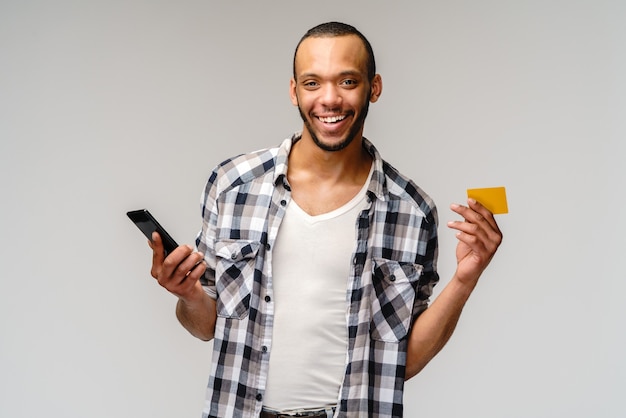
(320, 413)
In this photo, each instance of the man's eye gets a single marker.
(349, 82)
(309, 84)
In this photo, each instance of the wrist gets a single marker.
(193, 299)
(463, 285)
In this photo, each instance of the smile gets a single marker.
(332, 119)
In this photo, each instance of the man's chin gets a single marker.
(332, 145)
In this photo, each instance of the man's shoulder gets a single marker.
(392, 186)
(262, 159)
(400, 186)
(245, 167)
(248, 167)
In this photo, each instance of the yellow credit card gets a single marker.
(493, 198)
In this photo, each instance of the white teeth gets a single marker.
(332, 119)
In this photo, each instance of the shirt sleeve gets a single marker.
(205, 240)
(428, 260)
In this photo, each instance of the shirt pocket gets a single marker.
(234, 274)
(394, 286)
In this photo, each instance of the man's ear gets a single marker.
(292, 92)
(376, 89)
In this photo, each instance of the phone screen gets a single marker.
(148, 224)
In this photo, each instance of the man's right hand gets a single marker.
(180, 271)
(180, 274)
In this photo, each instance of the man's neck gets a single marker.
(350, 164)
(322, 181)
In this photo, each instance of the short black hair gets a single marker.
(333, 29)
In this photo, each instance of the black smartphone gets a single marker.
(148, 224)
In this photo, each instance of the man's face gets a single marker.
(332, 91)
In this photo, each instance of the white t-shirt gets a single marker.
(310, 272)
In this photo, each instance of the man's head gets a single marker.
(334, 81)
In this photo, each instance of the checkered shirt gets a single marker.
(392, 275)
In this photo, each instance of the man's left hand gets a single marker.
(479, 238)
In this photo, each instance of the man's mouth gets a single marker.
(331, 119)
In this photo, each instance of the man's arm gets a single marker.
(180, 274)
(479, 238)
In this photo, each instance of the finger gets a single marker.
(194, 274)
(465, 227)
(178, 265)
(477, 215)
(175, 258)
(469, 214)
(490, 225)
(480, 243)
(484, 212)
(188, 265)
(182, 286)
(479, 228)
(478, 222)
(157, 255)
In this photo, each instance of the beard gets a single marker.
(347, 140)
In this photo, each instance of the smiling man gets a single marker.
(332, 87)
(316, 259)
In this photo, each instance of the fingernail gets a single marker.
(471, 200)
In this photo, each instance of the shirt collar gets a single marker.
(377, 184)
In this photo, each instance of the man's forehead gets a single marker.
(325, 48)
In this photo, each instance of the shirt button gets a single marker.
(264, 349)
(283, 202)
(392, 278)
(268, 247)
(267, 298)
(233, 256)
(259, 397)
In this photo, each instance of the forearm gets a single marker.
(479, 238)
(434, 327)
(198, 316)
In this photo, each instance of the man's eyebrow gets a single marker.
(353, 73)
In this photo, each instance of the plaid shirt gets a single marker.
(392, 276)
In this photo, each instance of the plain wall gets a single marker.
(108, 106)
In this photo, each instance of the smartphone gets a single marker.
(148, 224)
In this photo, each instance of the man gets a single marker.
(316, 259)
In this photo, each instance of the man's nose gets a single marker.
(331, 96)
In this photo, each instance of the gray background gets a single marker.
(107, 106)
